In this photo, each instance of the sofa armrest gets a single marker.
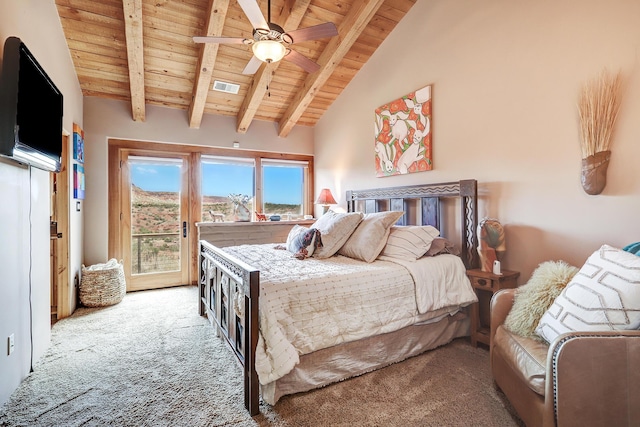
(501, 304)
(594, 378)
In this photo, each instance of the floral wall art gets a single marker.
(403, 135)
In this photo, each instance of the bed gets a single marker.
(295, 325)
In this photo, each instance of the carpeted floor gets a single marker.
(152, 361)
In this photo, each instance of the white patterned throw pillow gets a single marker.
(603, 296)
(409, 242)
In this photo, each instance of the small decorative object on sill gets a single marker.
(260, 216)
(598, 109)
(274, 217)
(240, 211)
(216, 216)
(491, 243)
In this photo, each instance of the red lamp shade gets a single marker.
(325, 199)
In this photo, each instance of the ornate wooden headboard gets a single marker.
(429, 197)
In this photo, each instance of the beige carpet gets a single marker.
(152, 361)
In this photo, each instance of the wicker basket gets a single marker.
(102, 284)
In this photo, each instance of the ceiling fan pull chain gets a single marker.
(268, 80)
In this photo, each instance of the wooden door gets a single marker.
(62, 297)
(154, 197)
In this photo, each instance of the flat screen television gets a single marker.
(30, 110)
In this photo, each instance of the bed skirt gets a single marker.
(351, 359)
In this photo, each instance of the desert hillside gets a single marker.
(154, 211)
(157, 211)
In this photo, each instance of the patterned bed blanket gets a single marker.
(306, 305)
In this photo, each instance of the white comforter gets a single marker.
(306, 305)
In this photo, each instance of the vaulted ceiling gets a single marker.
(142, 51)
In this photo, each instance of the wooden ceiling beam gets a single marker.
(135, 58)
(206, 61)
(291, 14)
(164, 61)
(350, 29)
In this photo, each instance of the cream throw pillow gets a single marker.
(603, 296)
(536, 296)
(370, 236)
(409, 242)
(335, 228)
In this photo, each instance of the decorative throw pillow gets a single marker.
(335, 228)
(440, 245)
(536, 296)
(409, 242)
(603, 296)
(370, 236)
(633, 248)
(302, 241)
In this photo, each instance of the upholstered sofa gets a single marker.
(580, 379)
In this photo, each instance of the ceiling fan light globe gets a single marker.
(269, 50)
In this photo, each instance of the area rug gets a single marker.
(152, 361)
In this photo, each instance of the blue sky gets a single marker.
(282, 184)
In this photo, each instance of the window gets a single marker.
(283, 185)
(157, 211)
(221, 178)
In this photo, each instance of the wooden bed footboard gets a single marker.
(229, 289)
(229, 296)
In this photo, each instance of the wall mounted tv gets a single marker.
(30, 110)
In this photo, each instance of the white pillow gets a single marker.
(335, 228)
(409, 242)
(370, 236)
(603, 296)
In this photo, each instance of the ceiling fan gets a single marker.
(270, 42)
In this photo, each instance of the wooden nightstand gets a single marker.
(485, 285)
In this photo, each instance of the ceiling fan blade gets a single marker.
(252, 66)
(302, 61)
(328, 29)
(227, 40)
(254, 14)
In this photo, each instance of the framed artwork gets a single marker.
(403, 135)
(78, 143)
(78, 181)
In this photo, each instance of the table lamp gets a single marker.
(325, 199)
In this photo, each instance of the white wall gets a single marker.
(506, 76)
(25, 207)
(106, 119)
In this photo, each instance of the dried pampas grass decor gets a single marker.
(598, 109)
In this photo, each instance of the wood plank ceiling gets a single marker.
(142, 51)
